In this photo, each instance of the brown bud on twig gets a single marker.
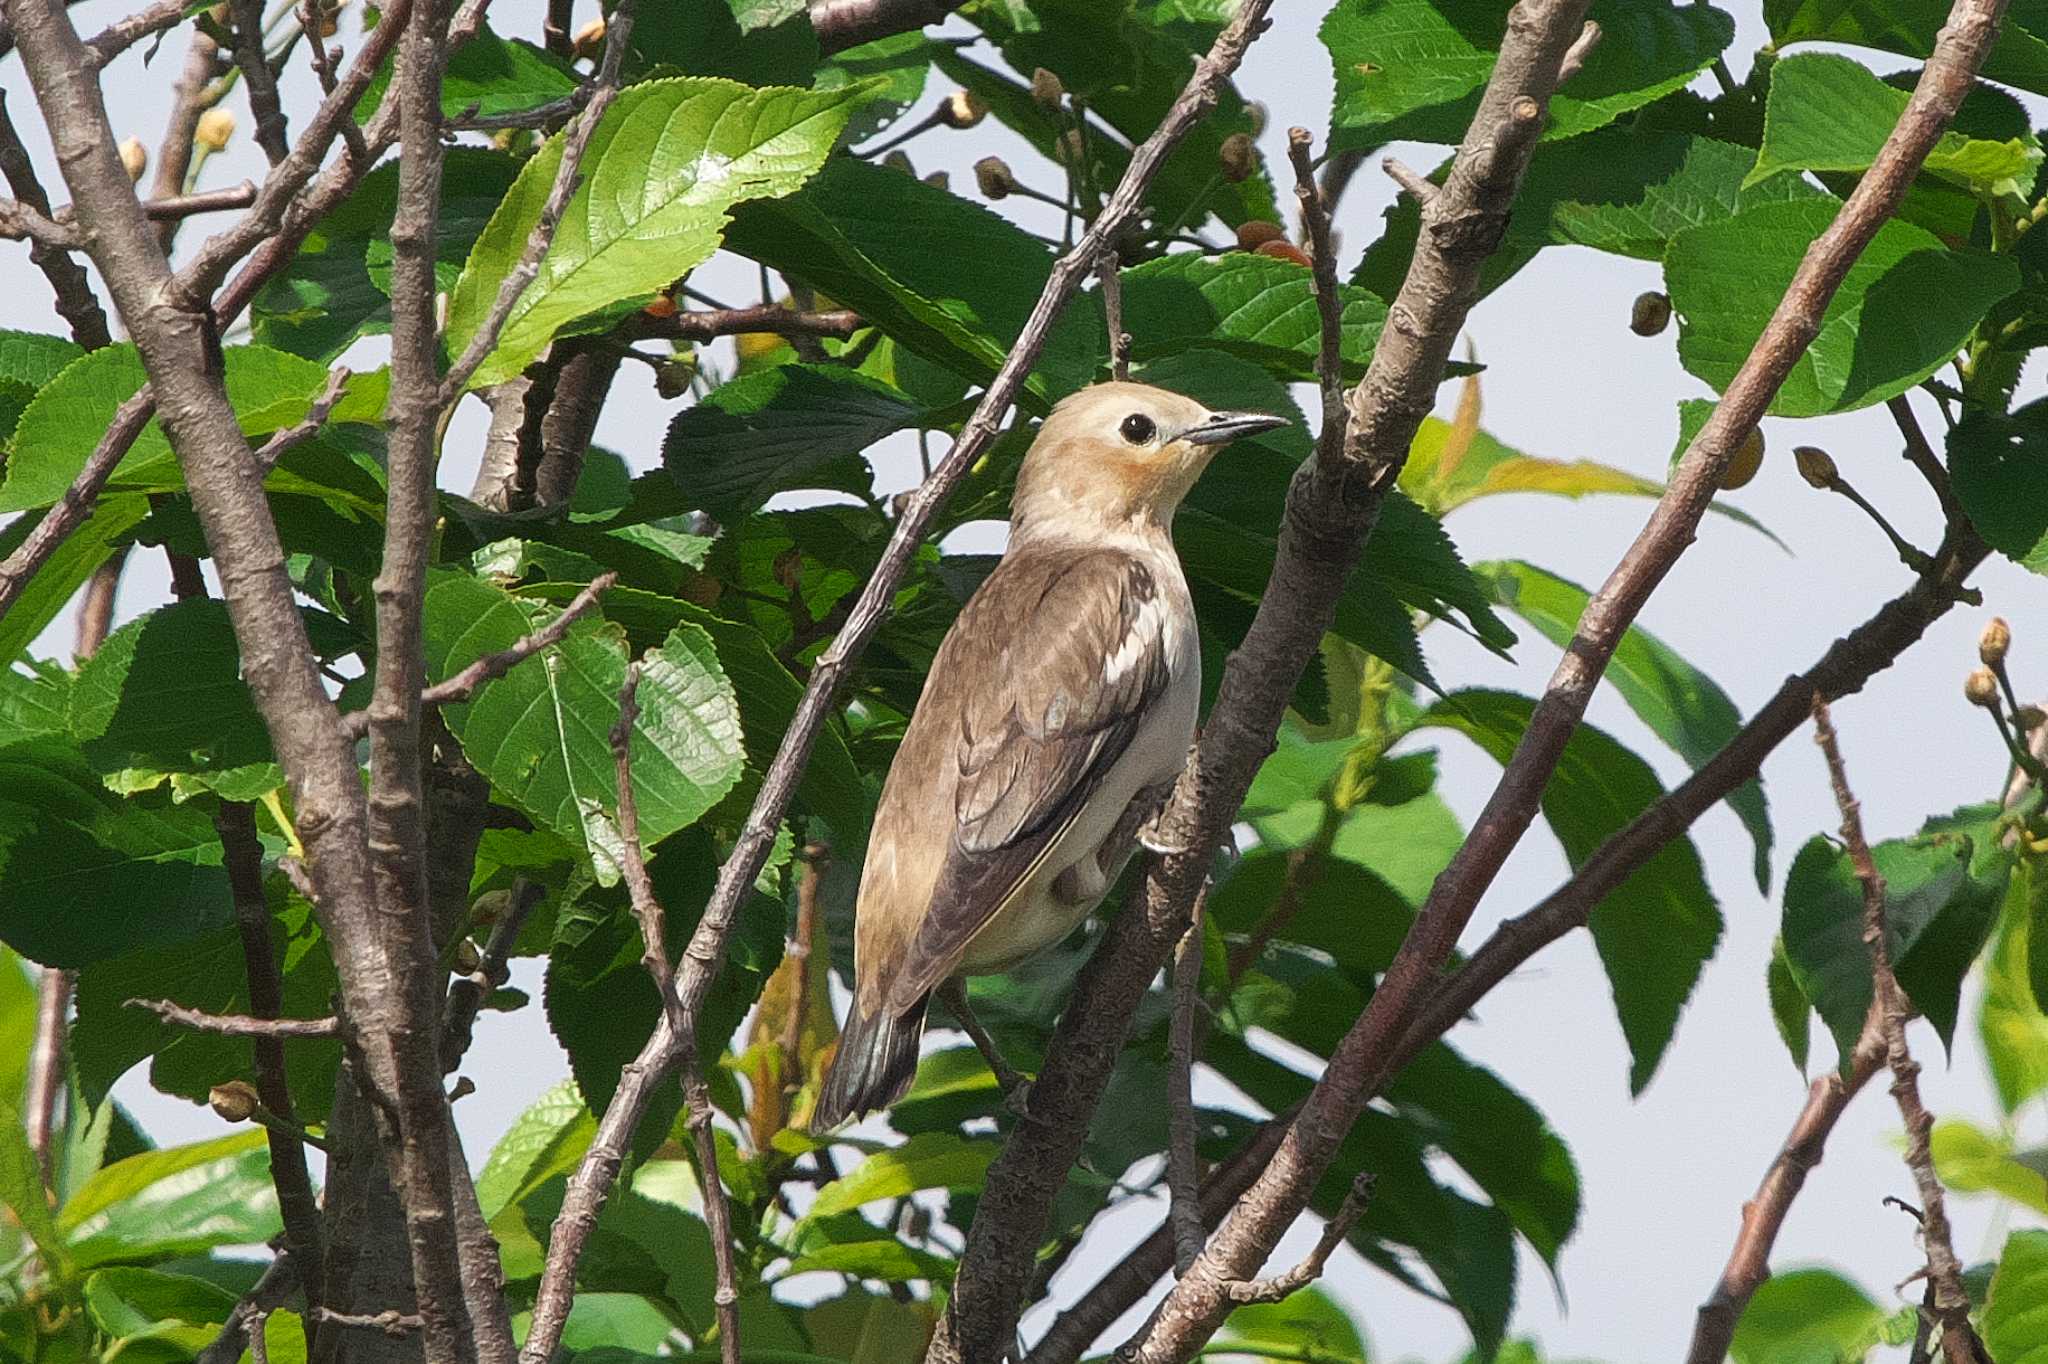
(900, 161)
(992, 174)
(1046, 90)
(1256, 232)
(672, 378)
(215, 129)
(1995, 643)
(235, 1101)
(1282, 249)
(1743, 464)
(2030, 718)
(466, 958)
(963, 109)
(134, 158)
(589, 39)
(1237, 158)
(1980, 688)
(1650, 314)
(661, 305)
(939, 179)
(1816, 466)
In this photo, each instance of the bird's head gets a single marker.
(1121, 453)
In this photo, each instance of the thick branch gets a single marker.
(1950, 1302)
(592, 1182)
(1359, 1065)
(247, 19)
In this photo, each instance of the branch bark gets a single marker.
(1950, 1303)
(658, 1058)
(841, 24)
(1361, 1062)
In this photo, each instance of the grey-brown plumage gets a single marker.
(1056, 713)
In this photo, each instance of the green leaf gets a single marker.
(929, 1160)
(1971, 1160)
(1829, 113)
(1309, 1319)
(545, 1141)
(2016, 1318)
(1657, 929)
(2013, 1028)
(1252, 306)
(1999, 463)
(849, 1244)
(1790, 1010)
(1903, 311)
(183, 1200)
(714, 38)
(21, 1187)
(46, 595)
(1411, 70)
(165, 692)
(1804, 1316)
(541, 732)
(897, 65)
(1908, 28)
(766, 432)
(269, 390)
(88, 875)
(667, 162)
(133, 1306)
(17, 1027)
(945, 279)
(1681, 705)
(493, 76)
(336, 288)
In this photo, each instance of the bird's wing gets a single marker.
(1064, 656)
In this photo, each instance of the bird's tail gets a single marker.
(876, 1060)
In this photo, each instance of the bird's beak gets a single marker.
(1219, 428)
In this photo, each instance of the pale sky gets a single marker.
(1664, 1176)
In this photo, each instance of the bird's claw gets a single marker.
(1152, 840)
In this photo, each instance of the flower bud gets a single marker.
(216, 128)
(1743, 464)
(939, 179)
(1816, 466)
(660, 306)
(1237, 158)
(672, 378)
(1995, 642)
(1282, 249)
(1256, 232)
(235, 1101)
(963, 109)
(1650, 314)
(900, 161)
(1981, 689)
(992, 175)
(1046, 90)
(589, 39)
(134, 158)
(466, 959)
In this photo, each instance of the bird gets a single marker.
(1054, 719)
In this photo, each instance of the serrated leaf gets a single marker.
(54, 584)
(544, 1141)
(1789, 1008)
(929, 1160)
(1248, 305)
(133, 1305)
(88, 875)
(1308, 1320)
(1829, 113)
(1969, 1159)
(540, 733)
(2016, 1317)
(1803, 1315)
(763, 433)
(1657, 929)
(165, 692)
(1908, 27)
(1903, 311)
(182, 1200)
(1411, 70)
(21, 1187)
(667, 162)
(2011, 1024)
(1999, 463)
(1681, 705)
(897, 64)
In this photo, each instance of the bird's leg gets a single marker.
(1012, 1082)
(1149, 806)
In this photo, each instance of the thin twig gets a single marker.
(77, 304)
(463, 685)
(1921, 456)
(1110, 272)
(1416, 184)
(772, 318)
(246, 18)
(237, 1025)
(568, 175)
(390, 1321)
(117, 37)
(1311, 1267)
(1183, 1166)
(75, 508)
(654, 956)
(303, 430)
(1575, 58)
(591, 1183)
(1008, 1079)
(272, 1289)
(192, 94)
(467, 993)
(1315, 221)
(1951, 1305)
(1358, 1066)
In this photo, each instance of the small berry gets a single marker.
(661, 306)
(1046, 90)
(589, 39)
(235, 1101)
(1742, 466)
(216, 128)
(992, 175)
(1981, 689)
(1650, 314)
(1995, 642)
(1816, 466)
(1257, 232)
(1237, 158)
(1282, 249)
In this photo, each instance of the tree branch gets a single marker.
(117, 37)
(246, 17)
(76, 302)
(75, 508)
(1183, 1167)
(238, 1025)
(708, 324)
(274, 1288)
(1951, 1304)
(841, 24)
(592, 1181)
(1359, 1064)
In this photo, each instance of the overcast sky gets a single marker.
(1664, 1176)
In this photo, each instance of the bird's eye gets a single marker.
(1138, 428)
